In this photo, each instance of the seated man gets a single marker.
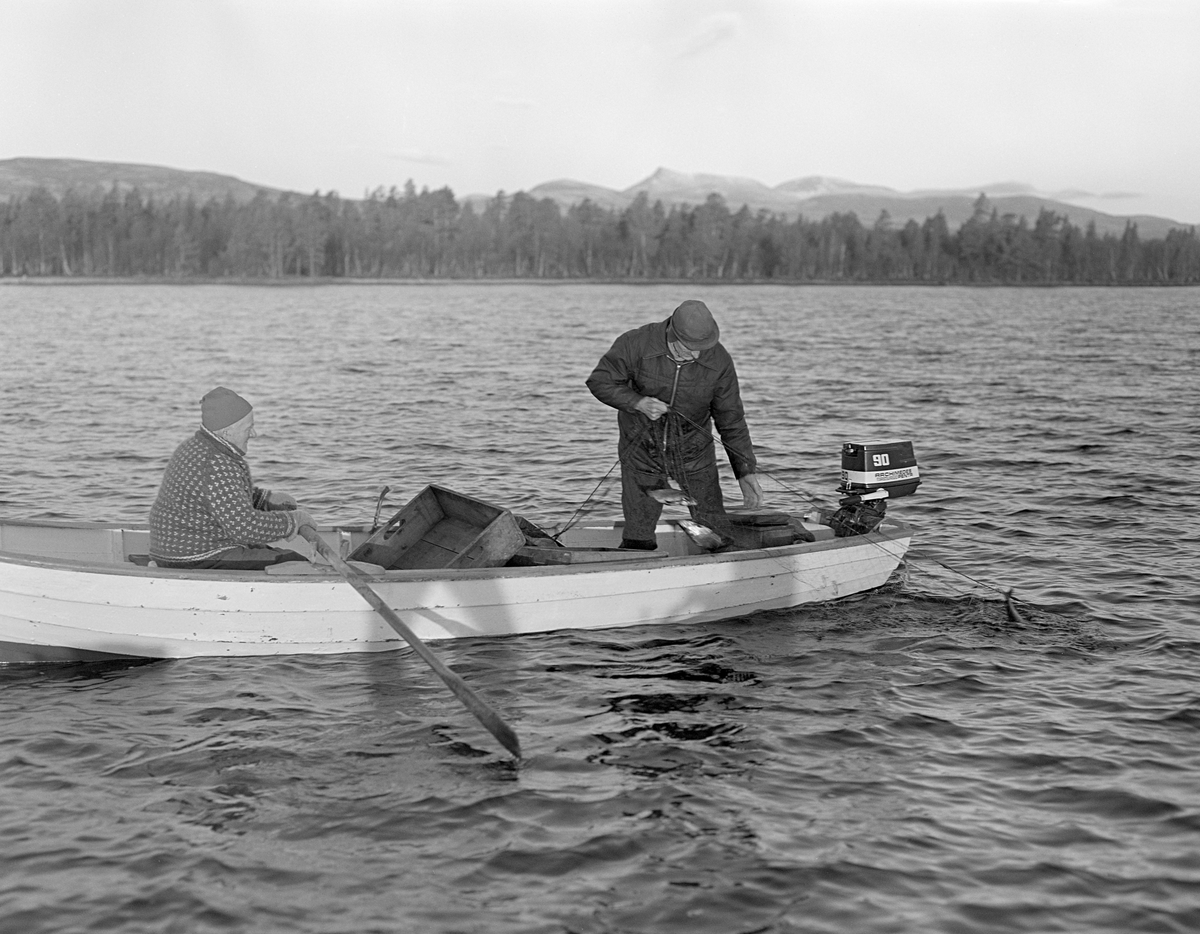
(208, 513)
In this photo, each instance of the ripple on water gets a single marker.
(909, 760)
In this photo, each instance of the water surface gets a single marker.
(907, 760)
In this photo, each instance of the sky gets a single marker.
(1094, 96)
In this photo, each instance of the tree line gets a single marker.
(406, 234)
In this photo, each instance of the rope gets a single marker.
(974, 580)
(805, 496)
(663, 446)
(667, 434)
(802, 495)
(576, 514)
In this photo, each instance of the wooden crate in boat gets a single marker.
(442, 529)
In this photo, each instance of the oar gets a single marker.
(483, 713)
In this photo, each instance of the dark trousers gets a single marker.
(242, 558)
(642, 511)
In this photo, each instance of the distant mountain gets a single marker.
(812, 185)
(813, 196)
(678, 188)
(21, 176)
(567, 192)
(958, 208)
(818, 196)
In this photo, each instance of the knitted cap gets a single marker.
(221, 408)
(694, 326)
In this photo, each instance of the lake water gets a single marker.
(905, 761)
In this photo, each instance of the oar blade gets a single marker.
(491, 720)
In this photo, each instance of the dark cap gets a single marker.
(221, 407)
(694, 326)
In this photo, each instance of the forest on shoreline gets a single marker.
(410, 235)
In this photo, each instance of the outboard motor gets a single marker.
(872, 473)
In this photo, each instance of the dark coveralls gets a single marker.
(680, 443)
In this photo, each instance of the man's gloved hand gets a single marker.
(752, 494)
(281, 501)
(652, 408)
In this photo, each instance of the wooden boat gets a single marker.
(78, 592)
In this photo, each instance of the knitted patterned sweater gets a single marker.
(207, 504)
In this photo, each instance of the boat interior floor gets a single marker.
(597, 543)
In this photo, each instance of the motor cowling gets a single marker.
(872, 473)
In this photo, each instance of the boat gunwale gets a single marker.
(891, 530)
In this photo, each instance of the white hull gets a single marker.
(60, 600)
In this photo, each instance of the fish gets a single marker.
(1011, 609)
(669, 496)
(701, 534)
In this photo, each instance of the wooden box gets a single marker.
(442, 529)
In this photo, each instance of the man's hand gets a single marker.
(282, 500)
(752, 494)
(652, 408)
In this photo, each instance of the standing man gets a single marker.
(667, 380)
(208, 513)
